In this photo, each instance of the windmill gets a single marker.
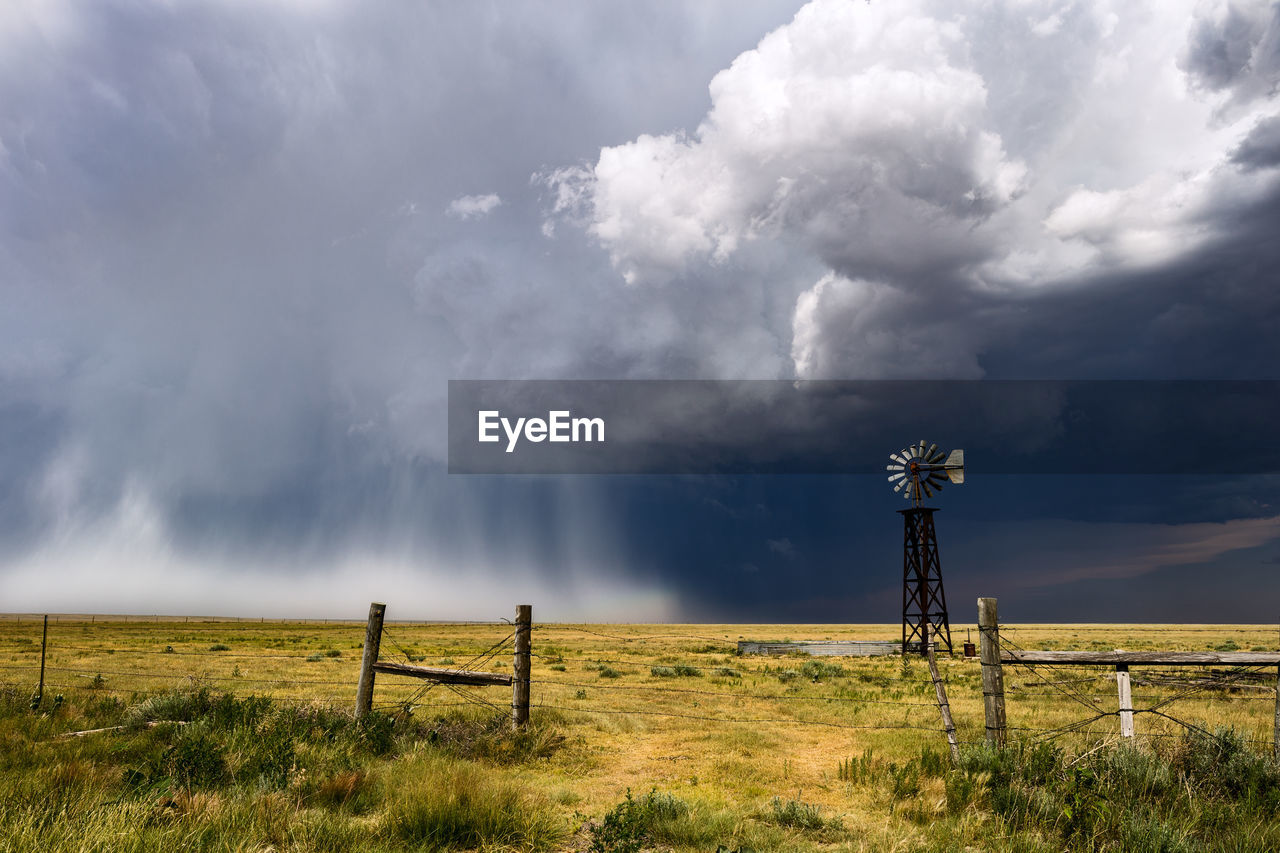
(918, 471)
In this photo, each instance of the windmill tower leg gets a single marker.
(924, 603)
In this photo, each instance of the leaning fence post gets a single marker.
(521, 664)
(1276, 735)
(992, 674)
(1126, 700)
(943, 706)
(372, 641)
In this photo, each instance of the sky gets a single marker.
(245, 246)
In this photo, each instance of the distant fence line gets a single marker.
(568, 694)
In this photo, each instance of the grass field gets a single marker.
(642, 737)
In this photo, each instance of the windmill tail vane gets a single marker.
(919, 470)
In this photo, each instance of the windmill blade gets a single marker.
(901, 460)
(927, 491)
(936, 479)
(919, 448)
(893, 467)
(898, 476)
(932, 452)
(899, 487)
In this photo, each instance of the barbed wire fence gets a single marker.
(867, 697)
(144, 667)
(1166, 678)
(139, 668)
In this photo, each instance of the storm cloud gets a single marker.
(243, 248)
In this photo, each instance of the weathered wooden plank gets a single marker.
(444, 676)
(1035, 656)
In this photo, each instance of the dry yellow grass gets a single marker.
(742, 731)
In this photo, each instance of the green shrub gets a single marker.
(196, 759)
(634, 824)
(219, 647)
(662, 672)
(800, 815)
(1204, 791)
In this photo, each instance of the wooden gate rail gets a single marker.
(1031, 656)
(993, 680)
(444, 676)
(518, 681)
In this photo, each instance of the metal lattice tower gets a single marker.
(924, 603)
(919, 471)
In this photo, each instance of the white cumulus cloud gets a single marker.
(936, 158)
(474, 206)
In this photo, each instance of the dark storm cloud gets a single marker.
(1235, 46)
(1261, 148)
(238, 276)
(244, 248)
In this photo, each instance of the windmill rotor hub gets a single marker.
(921, 469)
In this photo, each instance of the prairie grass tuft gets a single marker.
(441, 805)
(800, 815)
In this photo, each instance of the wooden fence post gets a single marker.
(521, 662)
(943, 706)
(372, 641)
(44, 642)
(992, 673)
(1126, 700)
